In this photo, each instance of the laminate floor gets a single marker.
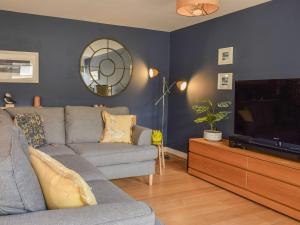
(181, 199)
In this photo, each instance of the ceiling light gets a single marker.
(197, 7)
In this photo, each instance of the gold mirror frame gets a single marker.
(106, 67)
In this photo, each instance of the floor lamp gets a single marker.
(166, 90)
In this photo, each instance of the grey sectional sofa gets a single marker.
(72, 134)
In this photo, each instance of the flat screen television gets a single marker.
(268, 109)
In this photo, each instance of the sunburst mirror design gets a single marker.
(106, 67)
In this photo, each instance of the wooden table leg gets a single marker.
(163, 156)
(160, 158)
(150, 179)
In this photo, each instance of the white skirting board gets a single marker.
(176, 152)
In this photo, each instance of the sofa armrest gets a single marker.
(126, 213)
(141, 135)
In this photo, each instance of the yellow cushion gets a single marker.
(62, 187)
(118, 128)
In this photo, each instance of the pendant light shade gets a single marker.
(196, 7)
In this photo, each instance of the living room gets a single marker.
(149, 112)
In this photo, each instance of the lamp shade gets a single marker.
(153, 72)
(197, 7)
(181, 85)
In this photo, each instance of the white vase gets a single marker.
(212, 135)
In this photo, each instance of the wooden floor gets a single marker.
(180, 199)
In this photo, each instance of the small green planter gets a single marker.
(157, 137)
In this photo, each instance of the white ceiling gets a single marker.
(149, 14)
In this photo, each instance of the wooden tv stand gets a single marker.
(268, 180)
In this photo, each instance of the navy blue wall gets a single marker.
(60, 43)
(266, 41)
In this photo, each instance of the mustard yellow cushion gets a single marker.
(62, 187)
(118, 128)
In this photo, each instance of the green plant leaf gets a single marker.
(211, 117)
(200, 108)
(224, 104)
(222, 115)
(201, 119)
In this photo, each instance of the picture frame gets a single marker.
(19, 67)
(225, 81)
(225, 56)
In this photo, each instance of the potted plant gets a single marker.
(212, 112)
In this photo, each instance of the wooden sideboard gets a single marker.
(268, 180)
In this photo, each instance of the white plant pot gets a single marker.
(212, 135)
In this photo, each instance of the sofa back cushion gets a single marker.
(19, 187)
(5, 134)
(53, 121)
(84, 124)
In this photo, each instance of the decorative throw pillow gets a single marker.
(62, 187)
(32, 126)
(118, 128)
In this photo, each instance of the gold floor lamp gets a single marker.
(166, 90)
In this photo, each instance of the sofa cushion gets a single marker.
(53, 121)
(6, 125)
(25, 177)
(62, 187)
(54, 150)
(32, 126)
(125, 213)
(124, 170)
(103, 154)
(118, 128)
(19, 186)
(106, 192)
(81, 166)
(84, 124)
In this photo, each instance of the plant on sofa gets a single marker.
(211, 113)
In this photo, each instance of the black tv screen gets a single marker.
(268, 109)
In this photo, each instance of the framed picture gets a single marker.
(19, 67)
(225, 56)
(225, 81)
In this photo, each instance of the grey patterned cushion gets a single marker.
(32, 126)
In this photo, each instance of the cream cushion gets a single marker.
(62, 187)
(118, 128)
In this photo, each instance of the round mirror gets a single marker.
(106, 67)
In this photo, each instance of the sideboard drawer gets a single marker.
(273, 189)
(279, 172)
(219, 154)
(217, 169)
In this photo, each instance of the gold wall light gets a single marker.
(153, 72)
(181, 85)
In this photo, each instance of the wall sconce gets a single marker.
(153, 72)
